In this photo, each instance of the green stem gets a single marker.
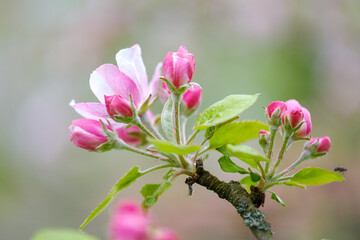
(304, 155)
(155, 168)
(282, 152)
(192, 137)
(137, 122)
(273, 131)
(177, 99)
(146, 121)
(263, 174)
(183, 129)
(120, 144)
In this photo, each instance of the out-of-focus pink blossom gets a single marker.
(297, 113)
(323, 144)
(192, 97)
(118, 106)
(129, 222)
(278, 106)
(87, 133)
(179, 67)
(164, 234)
(132, 135)
(163, 93)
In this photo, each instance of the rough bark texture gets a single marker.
(234, 193)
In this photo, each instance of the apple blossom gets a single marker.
(179, 67)
(118, 106)
(318, 145)
(192, 97)
(296, 114)
(274, 112)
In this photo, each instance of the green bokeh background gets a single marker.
(307, 50)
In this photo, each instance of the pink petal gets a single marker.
(130, 62)
(109, 80)
(154, 84)
(90, 110)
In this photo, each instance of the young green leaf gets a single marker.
(246, 154)
(151, 192)
(293, 184)
(315, 176)
(229, 166)
(275, 197)
(168, 147)
(167, 120)
(61, 234)
(128, 179)
(224, 110)
(254, 177)
(247, 182)
(236, 133)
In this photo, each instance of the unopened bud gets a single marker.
(118, 106)
(274, 112)
(318, 146)
(264, 139)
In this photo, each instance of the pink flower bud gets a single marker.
(192, 97)
(179, 67)
(320, 145)
(132, 135)
(264, 138)
(87, 133)
(273, 106)
(129, 222)
(164, 234)
(295, 116)
(118, 106)
(306, 127)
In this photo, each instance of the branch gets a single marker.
(234, 193)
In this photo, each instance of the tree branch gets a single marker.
(234, 193)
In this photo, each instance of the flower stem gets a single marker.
(137, 122)
(273, 131)
(192, 137)
(155, 168)
(144, 118)
(120, 144)
(177, 99)
(282, 151)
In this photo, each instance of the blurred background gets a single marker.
(307, 50)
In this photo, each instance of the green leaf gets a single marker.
(151, 192)
(229, 166)
(254, 177)
(315, 176)
(168, 147)
(167, 120)
(128, 179)
(246, 154)
(276, 198)
(61, 234)
(247, 182)
(224, 110)
(236, 133)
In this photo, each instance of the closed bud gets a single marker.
(264, 139)
(132, 135)
(292, 118)
(87, 133)
(297, 119)
(274, 112)
(318, 146)
(179, 67)
(118, 106)
(192, 97)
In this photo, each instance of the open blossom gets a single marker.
(179, 67)
(87, 133)
(128, 78)
(296, 114)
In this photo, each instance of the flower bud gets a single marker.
(306, 127)
(274, 112)
(118, 106)
(297, 114)
(132, 135)
(318, 146)
(293, 117)
(179, 67)
(264, 138)
(192, 97)
(87, 133)
(129, 221)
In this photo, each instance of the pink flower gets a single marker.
(87, 133)
(296, 114)
(192, 97)
(164, 234)
(129, 222)
(128, 78)
(263, 132)
(179, 67)
(118, 106)
(132, 135)
(322, 144)
(277, 107)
